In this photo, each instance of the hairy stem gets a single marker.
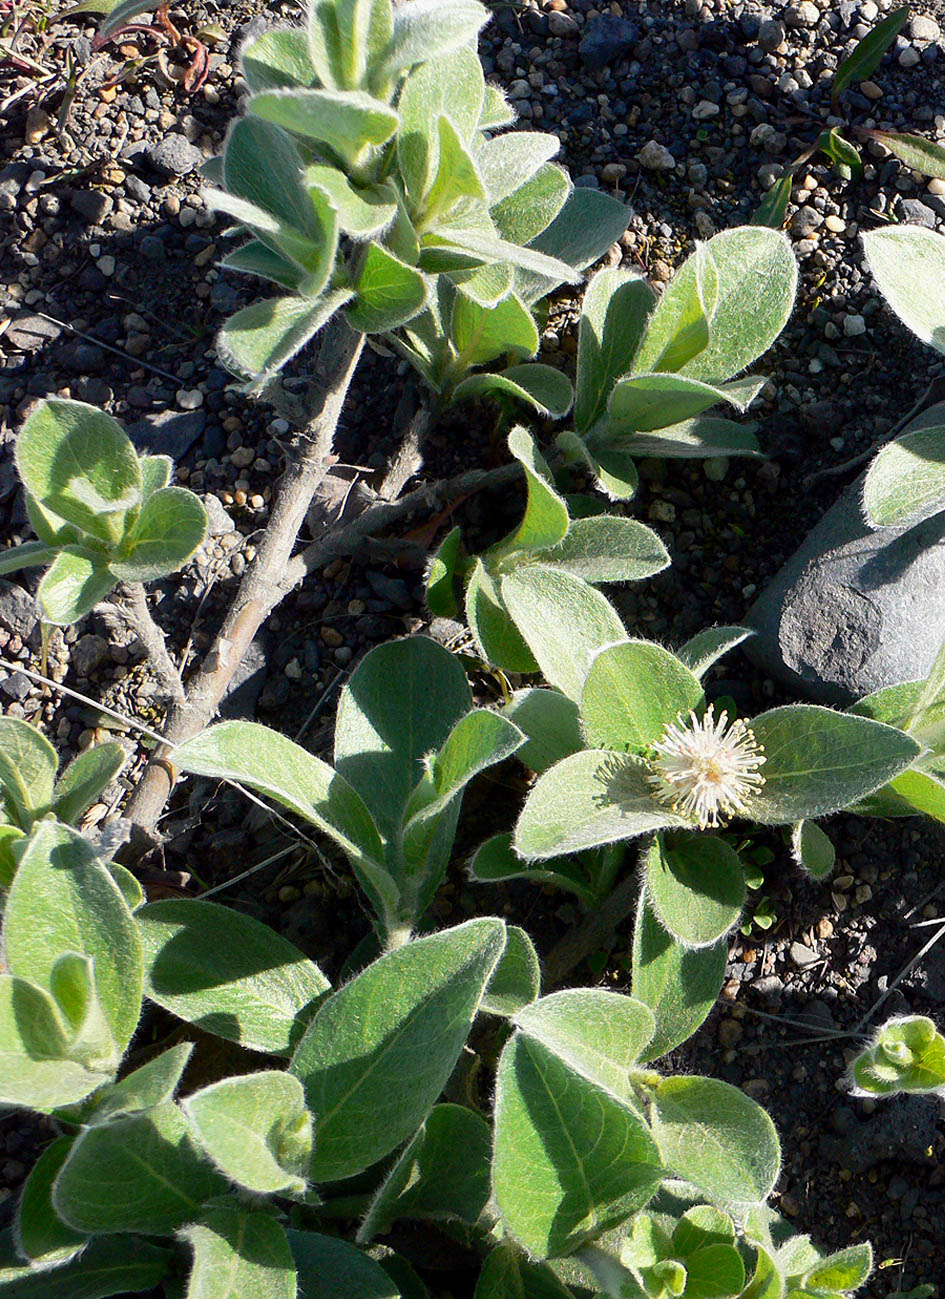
(594, 931)
(409, 457)
(264, 585)
(132, 609)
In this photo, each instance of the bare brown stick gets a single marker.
(263, 586)
(383, 514)
(132, 609)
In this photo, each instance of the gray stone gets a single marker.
(805, 14)
(855, 609)
(560, 24)
(770, 34)
(91, 205)
(806, 220)
(606, 39)
(656, 157)
(169, 433)
(31, 333)
(19, 613)
(802, 955)
(924, 28)
(917, 213)
(137, 189)
(175, 155)
(219, 522)
(88, 654)
(16, 686)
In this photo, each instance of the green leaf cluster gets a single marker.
(30, 789)
(649, 369)
(567, 1181)
(588, 549)
(102, 513)
(370, 177)
(600, 781)
(407, 743)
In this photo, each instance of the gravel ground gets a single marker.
(111, 295)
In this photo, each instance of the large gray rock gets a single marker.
(855, 609)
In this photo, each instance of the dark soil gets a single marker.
(122, 257)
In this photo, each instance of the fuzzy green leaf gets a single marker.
(563, 621)
(532, 207)
(906, 481)
(506, 162)
(72, 585)
(496, 635)
(570, 1160)
(239, 1255)
(79, 463)
(30, 554)
(255, 1129)
(648, 402)
(386, 1043)
(273, 765)
(908, 264)
(40, 1235)
(277, 58)
(259, 340)
(85, 779)
(708, 435)
(592, 798)
(714, 1136)
(228, 974)
(545, 389)
(347, 121)
(443, 1172)
(388, 292)
(819, 762)
(551, 723)
(363, 210)
(598, 1034)
(583, 230)
(516, 980)
(331, 1268)
(117, 1265)
(423, 28)
(28, 764)
(545, 522)
(481, 334)
(139, 1173)
(633, 690)
(707, 647)
(151, 1084)
(616, 308)
(64, 900)
(172, 524)
(680, 985)
(695, 886)
(383, 735)
(507, 1272)
(813, 850)
(34, 1071)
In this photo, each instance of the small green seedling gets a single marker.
(102, 513)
